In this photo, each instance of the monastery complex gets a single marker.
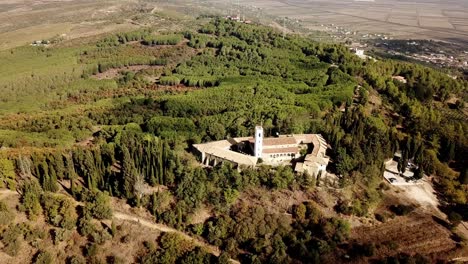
(307, 152)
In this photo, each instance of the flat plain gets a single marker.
(22, 22)
(421, 19)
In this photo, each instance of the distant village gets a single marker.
(437, 53)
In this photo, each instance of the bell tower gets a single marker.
(258, 147)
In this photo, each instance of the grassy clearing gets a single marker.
(31, 76)
(27, 35)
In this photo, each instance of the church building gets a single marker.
(275, 151)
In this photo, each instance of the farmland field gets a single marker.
(22, 22)
(442, 20)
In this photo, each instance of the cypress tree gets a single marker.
(59, 166)
(43, 170)
(89, 182)
(128, 173)
(53, 187)
(464, 176)
(72, 187)
(161, 161)
(52, 179)
(451, 150)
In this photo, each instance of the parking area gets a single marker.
(393, 177)
(419, 191)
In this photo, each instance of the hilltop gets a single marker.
(97, 161)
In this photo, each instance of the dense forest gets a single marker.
(95, 138)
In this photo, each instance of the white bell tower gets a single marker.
(258, 147)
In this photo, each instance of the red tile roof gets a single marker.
(281, 150)
(277, 141)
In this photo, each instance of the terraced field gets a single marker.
(415, 233)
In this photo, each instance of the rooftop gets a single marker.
(317, 160)
(277, 141)
(281, 144)
(221, 149)
(281, 150)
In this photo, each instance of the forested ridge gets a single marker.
(207, 85)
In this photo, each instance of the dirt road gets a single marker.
(163, 228)
(141, 221)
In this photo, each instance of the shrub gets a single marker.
(300, 212)
(59, 211)
(85, 226)
(34, 233)
(368, 249)
(401, 209)
(113, 259)
(169, 80)
(60, 235)
(91, 250)
(6, 216)
(159, 62)
(170, 39)
(11, 238)
(149, 245)
(76, 260)
(455, 218)
(391, 245)
(384, 186)
(125, 239)
(7, 174)
(98, 206)
(31, 192)
(113, 229)
(380, 217)
(44, 257)
(101, 236)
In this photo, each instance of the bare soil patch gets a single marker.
(116, 72)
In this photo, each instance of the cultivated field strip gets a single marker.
(441, 20)
(415, 233)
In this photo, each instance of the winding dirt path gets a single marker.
(163, 228)
(141, 221)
